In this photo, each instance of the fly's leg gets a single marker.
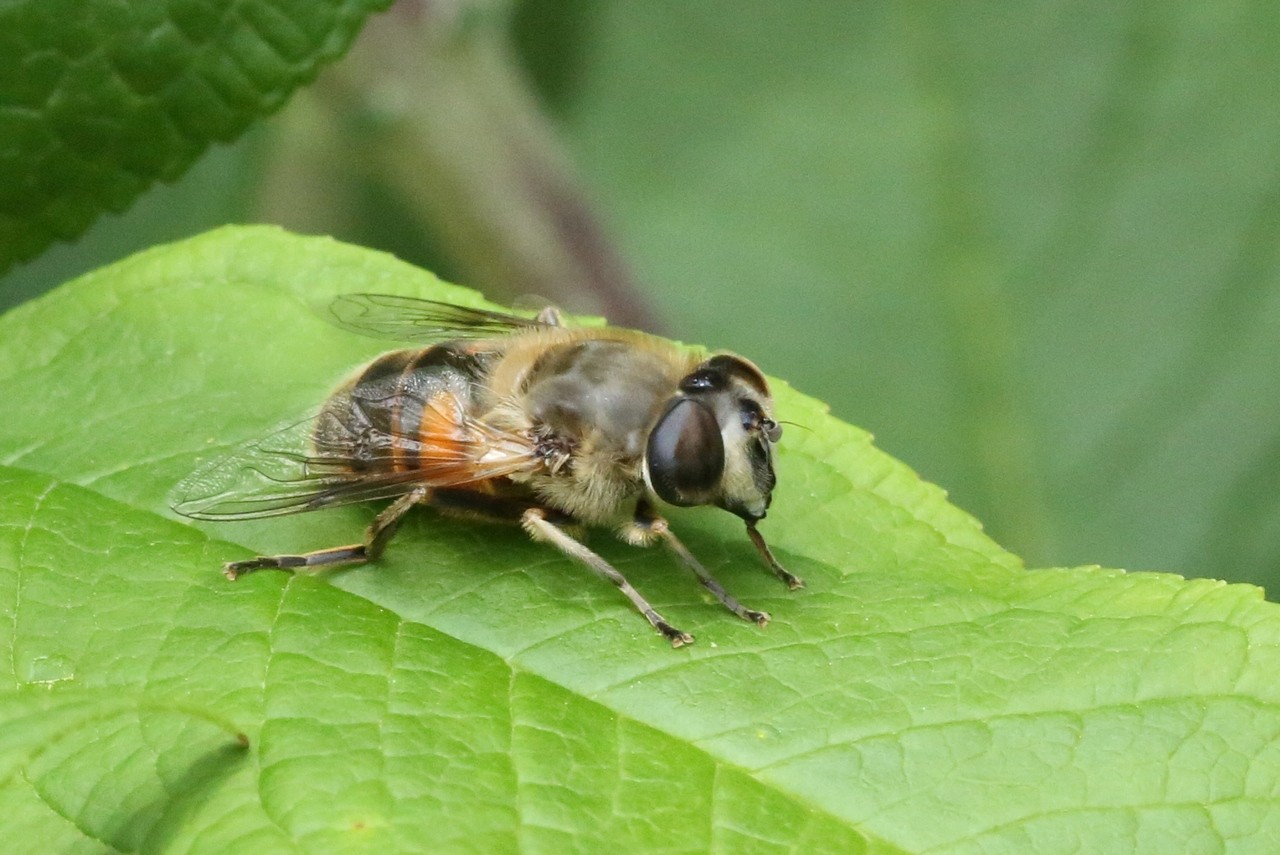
(535, 522)
(543, 524)
(376, 538)
(647, 526)
(489, 507)
(766, 554)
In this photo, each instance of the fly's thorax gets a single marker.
(602, 392)
(589, 398)
(595, 490)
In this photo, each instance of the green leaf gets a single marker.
(474, 691)
(101, 98)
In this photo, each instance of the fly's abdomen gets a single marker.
(405, 412)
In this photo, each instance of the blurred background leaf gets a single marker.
(1033, 249)
(100, 98)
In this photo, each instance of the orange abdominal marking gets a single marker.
(443, 441)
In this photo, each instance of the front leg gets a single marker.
(647, 526)
(792, 581)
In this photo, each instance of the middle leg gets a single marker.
(544, 524)
(535, 522)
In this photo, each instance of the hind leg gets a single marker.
(376, 537)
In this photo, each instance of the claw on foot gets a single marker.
(675, 636)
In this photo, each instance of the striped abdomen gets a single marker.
(407, 411)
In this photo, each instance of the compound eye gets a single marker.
(685, 454)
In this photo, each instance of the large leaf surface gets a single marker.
(475, 692)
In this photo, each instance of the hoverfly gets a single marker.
(520, 419)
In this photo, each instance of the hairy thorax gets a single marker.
(591, 404)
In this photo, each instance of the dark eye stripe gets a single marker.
(759, 455)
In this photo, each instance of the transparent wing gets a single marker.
(408, 319)
(305, 466)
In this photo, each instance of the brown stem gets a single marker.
(451, 124)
